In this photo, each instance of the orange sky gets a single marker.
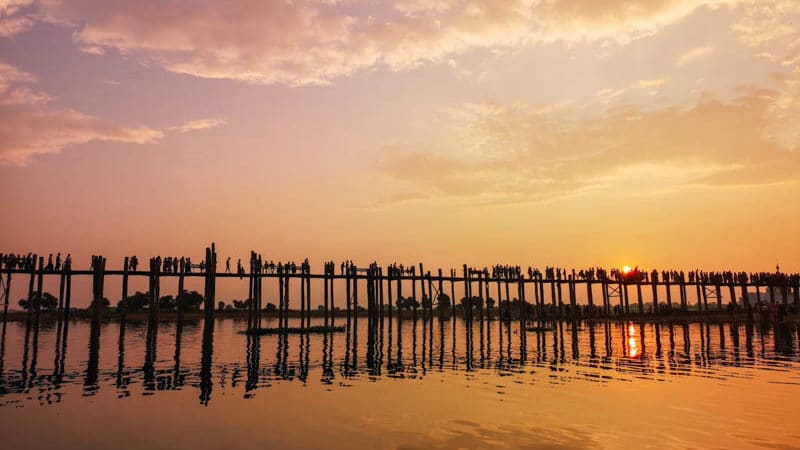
(560, 132)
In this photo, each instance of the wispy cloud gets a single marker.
(199, 124)
(693, 55)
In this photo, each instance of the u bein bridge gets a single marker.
(551, 295)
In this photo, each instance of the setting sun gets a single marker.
(626, 270)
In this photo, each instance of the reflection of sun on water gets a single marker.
(633, 344)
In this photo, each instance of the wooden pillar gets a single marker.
(251, 298)
(589, 293)
(31, 284)
(68, 293)
(523, 308)
(699, 295)
(348, 295)
(325, 279)
(380, 295)
(260, 284)
(745, 299)
(332, 306)
(499, 308)
(39, 283)
(719, 296)
(606, 300)
(286, 298)
(482, 300)
(280, 299)
(669, 293)
(6, 293)
(733, 293)
(154, 289)
(453, 299)
(97, 294)
(302, 297)
(430, 295)
(355, 293)
(654, 283)
(211, 282)
(560, 301)
(541, 297)
(684, 301)
(441, 292)
(758, 292)
(390, 297)
(624, 299)
(125, 268)
(508, 299)
(573, 302)
(705, 297)
(181, 296)
(639, 298)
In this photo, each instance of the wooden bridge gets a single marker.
(552, 295)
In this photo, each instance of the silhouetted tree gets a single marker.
(166, 303)
(47, 302)
(190, 300)
(443, 301)
(135, 302)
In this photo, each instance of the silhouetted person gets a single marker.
(228, 265)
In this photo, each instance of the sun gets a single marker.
(626, 270)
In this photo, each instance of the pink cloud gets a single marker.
(314, 42)
(30, 126)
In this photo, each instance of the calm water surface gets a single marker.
(612, 385)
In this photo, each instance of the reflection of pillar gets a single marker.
(121, 354)
(150, 355)
(176, 370)
(90, 381)
(207, 353)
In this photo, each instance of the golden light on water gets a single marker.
(633, 344)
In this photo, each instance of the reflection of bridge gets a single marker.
(588, 351)
(517, 296)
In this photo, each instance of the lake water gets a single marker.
(604, 385)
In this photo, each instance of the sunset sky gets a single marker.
(657, 133)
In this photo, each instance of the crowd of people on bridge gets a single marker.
(14, 261)
(174, 264)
